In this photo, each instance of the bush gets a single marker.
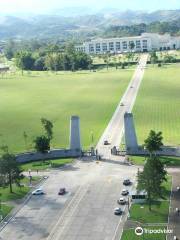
(42, 144)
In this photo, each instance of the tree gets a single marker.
(48, 126)
(106, 60)
(10, 169)
(151, 179)
(39, 64)
(153, 142)
(153, 57)
(42, 144)
(24, 60)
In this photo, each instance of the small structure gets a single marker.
(138, 196)
(129, 132)
(75, 140)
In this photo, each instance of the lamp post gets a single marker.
(92, 138)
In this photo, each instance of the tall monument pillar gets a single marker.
(75, 140)
(130, 133)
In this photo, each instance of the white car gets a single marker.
(125, 192)
(121, 201)
(38, 191)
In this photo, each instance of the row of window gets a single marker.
(116, 46)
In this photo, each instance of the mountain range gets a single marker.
(70, 23)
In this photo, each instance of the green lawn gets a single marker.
(160, 208)
(25, 99)
(5, 209)
(17, 191)
(129, 234)
(169, 161)
(116, 58)
(158, 104)
(40, 165)
(159, 213)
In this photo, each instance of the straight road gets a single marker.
(114, 131)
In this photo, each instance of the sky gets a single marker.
(45, 6)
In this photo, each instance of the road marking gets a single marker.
(69, 211)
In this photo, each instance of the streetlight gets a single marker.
(92, 138)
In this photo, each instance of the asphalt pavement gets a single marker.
(114, 131)
(174, 216)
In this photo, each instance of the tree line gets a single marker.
(172, 27)
(41, 56)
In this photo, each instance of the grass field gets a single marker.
(5, 209)
(17, 191)
(40, 165)
(25, 99)
(169, 161)
(158, 104)
(159, 213)
(129, 234)
(116, 58)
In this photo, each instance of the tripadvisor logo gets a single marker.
(139, 231)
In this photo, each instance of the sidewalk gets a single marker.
(174, 217)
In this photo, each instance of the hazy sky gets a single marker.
(40, 6)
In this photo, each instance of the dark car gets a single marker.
(106, 142)
(127, 182)
(117, 211)
(62, 191)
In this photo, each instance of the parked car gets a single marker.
(117, 211)
(127, 182)
(121, 201)
(125, 192)
(62, 191)
(38, 191)
(121, 104)
(106, 142)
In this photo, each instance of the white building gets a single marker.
(145, 42)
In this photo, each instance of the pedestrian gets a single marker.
(37, 171)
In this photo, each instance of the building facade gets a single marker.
(144, 43)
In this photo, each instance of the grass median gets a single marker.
(44, 165)
(168, 161)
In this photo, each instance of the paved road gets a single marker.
(86, 212)
(174, 218)
(114, 130)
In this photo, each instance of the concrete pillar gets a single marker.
(75, 141)
(129, 132)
